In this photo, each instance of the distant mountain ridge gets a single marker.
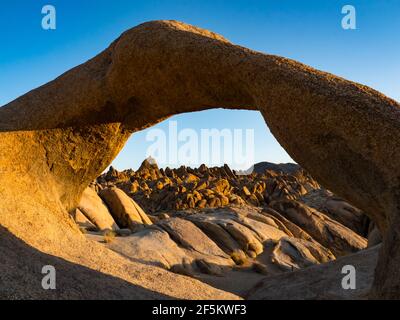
(288, 168)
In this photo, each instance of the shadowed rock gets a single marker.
(56, 139)
(320, 282)
(328, 232)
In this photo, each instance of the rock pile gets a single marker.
(186, 188)
(211, 220)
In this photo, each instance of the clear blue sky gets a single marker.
(308, 31)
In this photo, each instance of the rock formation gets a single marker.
(165, 193)
(96, 211)
(58, 138)
(178, 189)
(320, 282)
(269, 231)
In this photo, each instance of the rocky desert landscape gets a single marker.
(281, 232)
(228, 230)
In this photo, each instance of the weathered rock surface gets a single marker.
(124, 210)
(213, 241)
(293, 254)
(152, 246)
(338, 209)
(190, 237)
(58, 138)
(374, 235)
(328, 232)
(96, 211)
(320, 282)
(83, 222)
(174, 244)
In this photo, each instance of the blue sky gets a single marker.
(307, 31)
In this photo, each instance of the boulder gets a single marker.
(321, 281)
(292, 254)
(186, 234)
(222, 238)
(286, 225)
(96, 211)
(124, 210)
(346, 214)
(153, 246)
(331, 234)
(82, 221)
(247, 239)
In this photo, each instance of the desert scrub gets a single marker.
(109, 236)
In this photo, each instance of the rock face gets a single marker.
(96, 211)
(227, 240)
(58, 138)
(320, 282)
(124, 210)
(293, 254)
(325, 230)
(83, 222)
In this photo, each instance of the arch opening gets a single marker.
(274, 201)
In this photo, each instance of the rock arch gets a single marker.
(56, 139)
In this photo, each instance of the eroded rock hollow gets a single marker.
(56, 139)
